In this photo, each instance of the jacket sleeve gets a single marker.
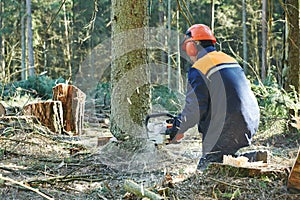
(196, 102)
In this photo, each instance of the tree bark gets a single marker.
(73, 100)
(130, 98)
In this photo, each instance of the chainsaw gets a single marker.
(157, 128)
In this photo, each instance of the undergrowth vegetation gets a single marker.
(276, 104)
(35, 86)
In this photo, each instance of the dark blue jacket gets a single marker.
(220, 101)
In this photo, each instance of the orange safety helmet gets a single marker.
(195, 33)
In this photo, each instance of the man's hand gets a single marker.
(174, 135)
(177, 137)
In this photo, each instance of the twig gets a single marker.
(25, 186)
(140, 191)
(183, 14)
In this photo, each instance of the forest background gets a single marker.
(46, 42)
(43, 43)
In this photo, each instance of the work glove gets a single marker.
(173, 131)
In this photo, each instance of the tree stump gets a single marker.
(2, 110)
(73, 100)
(48, 113)
(294, 177)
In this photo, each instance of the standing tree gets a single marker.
(264, 40)
(293, 41)
(23, 43)
(29, 39)
(130, 99)
(67, 51)
(245, 50)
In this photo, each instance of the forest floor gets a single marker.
(37, 164)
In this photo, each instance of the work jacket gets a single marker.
(219, 99)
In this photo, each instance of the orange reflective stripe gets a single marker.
(211, 60)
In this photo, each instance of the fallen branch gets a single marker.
(83, 177)
(25, 186)
(140, 191)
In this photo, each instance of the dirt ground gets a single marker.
(36, 164)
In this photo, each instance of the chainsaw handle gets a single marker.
(148, 117)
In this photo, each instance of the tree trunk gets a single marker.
(178, 79)
(31, 71)
(169, 46)
(212, 9)
(264, 41)
(73, 100)
(245, 50)
(68, 49)
(23, 44)
(130, 98)
(293, 71)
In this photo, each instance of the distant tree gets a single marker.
(130, 100)
(245, 49)
(264, 40)
(23, 43)
(31, 70)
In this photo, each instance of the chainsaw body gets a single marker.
(157, 125)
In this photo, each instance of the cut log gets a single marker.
(242, 161)
(140, 191)
(275, 171)
(48, 113)
(73, 100)
(294, 177)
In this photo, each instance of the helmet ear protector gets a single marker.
(190, 47)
